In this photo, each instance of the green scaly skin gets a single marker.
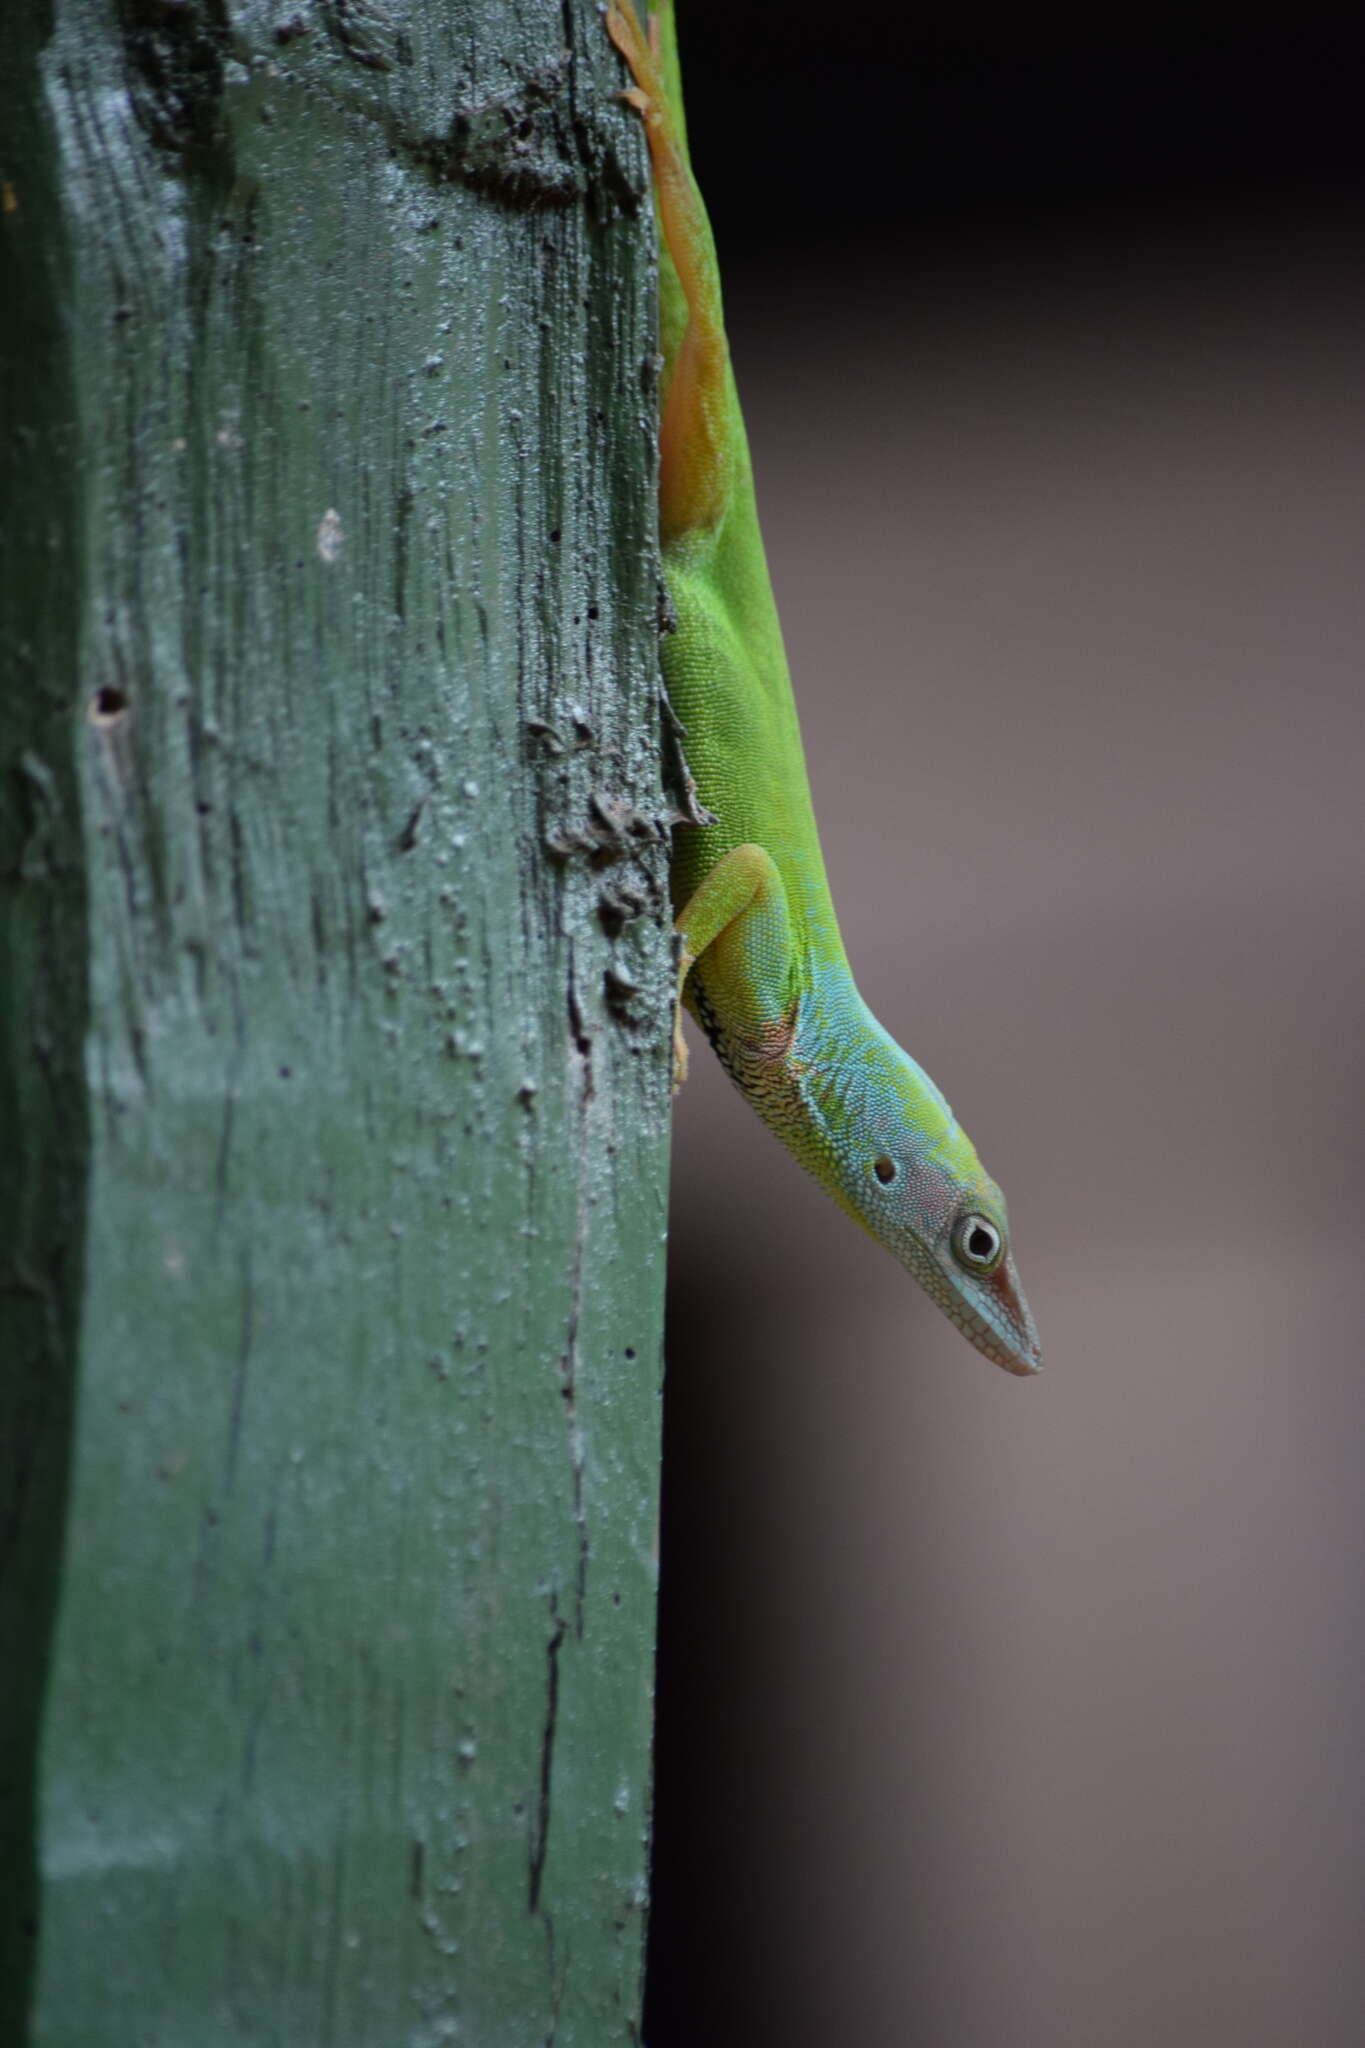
(764, 968)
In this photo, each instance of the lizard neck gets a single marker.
(802, 1072)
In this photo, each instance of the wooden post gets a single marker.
(334, 1018)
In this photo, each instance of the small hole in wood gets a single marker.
(108, 706)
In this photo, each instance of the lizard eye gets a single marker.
(884, 1166)
(977, 1243)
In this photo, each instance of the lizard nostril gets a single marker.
(885, 1168)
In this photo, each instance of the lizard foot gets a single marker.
(679, 1051)
(639, 51)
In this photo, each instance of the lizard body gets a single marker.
(763, 967)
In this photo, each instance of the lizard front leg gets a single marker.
(737, 922)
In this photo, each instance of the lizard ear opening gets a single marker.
(884, 1166)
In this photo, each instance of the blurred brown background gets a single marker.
(995, 1711)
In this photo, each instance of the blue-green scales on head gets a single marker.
(763, 966)
(872, 1127)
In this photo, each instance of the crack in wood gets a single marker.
(540, 1823)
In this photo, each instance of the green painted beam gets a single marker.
(334, 1025)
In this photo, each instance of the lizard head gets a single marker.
(903, 1166)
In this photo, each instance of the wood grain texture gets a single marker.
(335, 1022)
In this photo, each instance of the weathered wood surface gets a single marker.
(334, 1024)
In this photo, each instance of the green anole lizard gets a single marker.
(762, 965)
